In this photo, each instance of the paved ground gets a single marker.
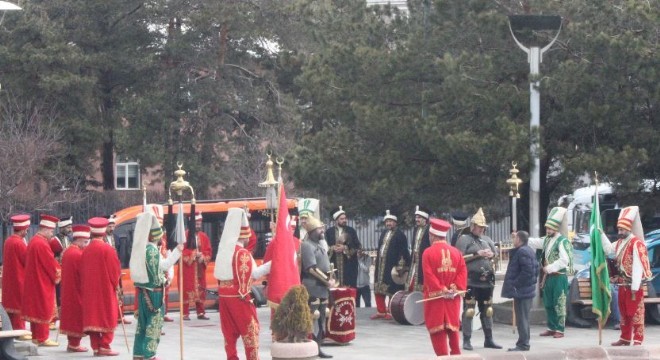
(374, 340)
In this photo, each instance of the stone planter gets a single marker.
(294, 351)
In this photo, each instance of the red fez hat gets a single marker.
(20, 222)
(439, 227)
(98, 225)
(48, 221)
(81, 231)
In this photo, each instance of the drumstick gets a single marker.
(440, 297)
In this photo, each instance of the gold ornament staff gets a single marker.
(179, 186)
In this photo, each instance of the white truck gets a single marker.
(579, 215)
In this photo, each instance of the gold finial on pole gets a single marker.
(514, 181)
(269, 184)
(180, 185)
(596, 178)
(279, 162)
(270, 178)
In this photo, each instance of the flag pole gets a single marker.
(180, 223)
(600, 320)
(514, 183)
(179, 186)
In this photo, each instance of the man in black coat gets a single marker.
(420, 243)
(392, 254)
(520, 284)
(343, 245)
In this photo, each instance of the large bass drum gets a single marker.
(340, 324)
(405, 309)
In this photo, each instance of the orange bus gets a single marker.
(214, 213)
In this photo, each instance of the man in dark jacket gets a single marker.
(343, 245)
(520, 284)
(392, 254)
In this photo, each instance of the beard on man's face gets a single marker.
(622, 235)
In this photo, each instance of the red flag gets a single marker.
(284, 271)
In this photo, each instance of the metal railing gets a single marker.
(370, 230)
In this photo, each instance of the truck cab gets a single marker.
(579, 215)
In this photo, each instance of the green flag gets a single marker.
(600, 278)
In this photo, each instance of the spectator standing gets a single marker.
(520, 285)
(364, 279)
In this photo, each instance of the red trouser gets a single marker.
(632, 314)
(100, 340)
(198, 291)
(74, 341)
(381, 305)
(40, 332)
(199, 307)
(439, 341)
(238, 318)
(17, 322)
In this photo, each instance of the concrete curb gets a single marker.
(587, 353)
(26, 348)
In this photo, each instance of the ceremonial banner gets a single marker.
(284, 271)
(600, 278)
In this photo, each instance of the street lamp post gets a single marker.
(519, 23)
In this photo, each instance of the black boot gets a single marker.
(322, 355)
(466, 343)
(489, 343)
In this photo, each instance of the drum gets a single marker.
(405, 309)
(340, 324)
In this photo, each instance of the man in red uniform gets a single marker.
(252, 242)
(195, 259)
(632, 262)
(14, 254)
(42, 272)
(71, 323)
(100, 271)
(238, 316)
(445, 274)
(58, 244)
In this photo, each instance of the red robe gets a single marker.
(99, 272)
(72, 306)
(14, 254)
(194, 272)
(42, 272)
(444, 269)
(632, 310)
(238, 316)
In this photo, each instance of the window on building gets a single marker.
(127, 175)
